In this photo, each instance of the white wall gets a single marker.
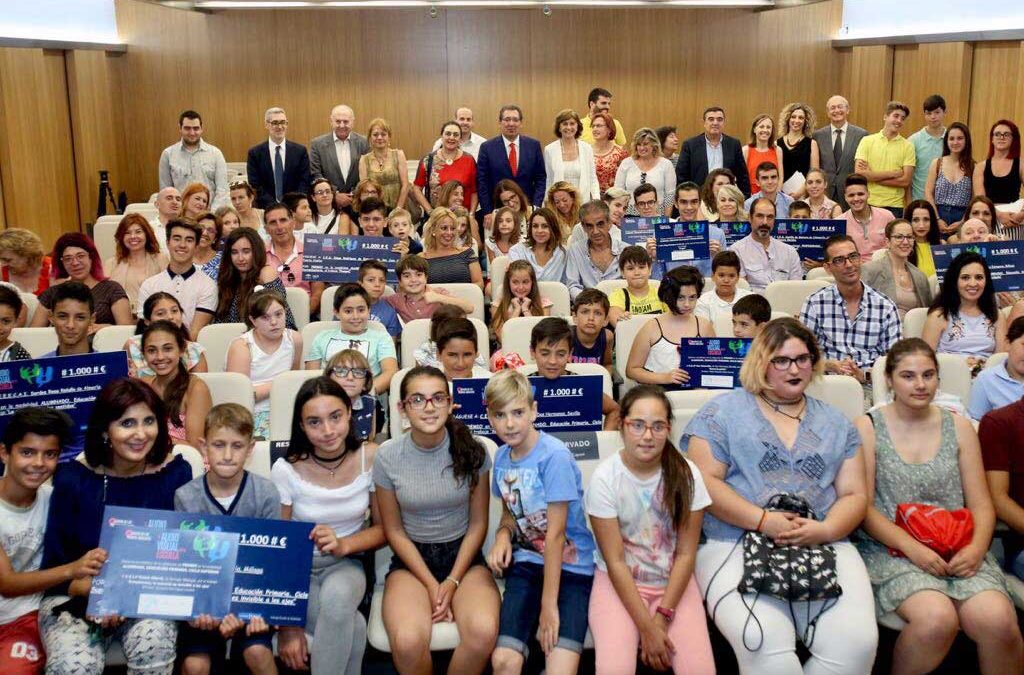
(885, 18)
(59, 20)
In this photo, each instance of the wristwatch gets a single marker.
(666, 612)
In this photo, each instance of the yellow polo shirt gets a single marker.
(883, 154)
(588, 135)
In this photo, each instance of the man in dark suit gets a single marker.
(837, 144)
(512, 156)
(712, 150)
(278, 165)
(335, 155)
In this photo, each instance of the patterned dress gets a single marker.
(936, 482)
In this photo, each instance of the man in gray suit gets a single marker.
(838, 143)
(335, 156)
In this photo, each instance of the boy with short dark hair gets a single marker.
(592, 342)
(10, 308)
(551, 349)
(799, 209)
(749, 315)
(372, 217)
(373, 276)
(31, 447)
(639, 296)
(415, 299)
(717, 302)
(228, 489)
(72, 315)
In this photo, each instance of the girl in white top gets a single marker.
(646, 506)
(268, 349)
(326, 478)
(543, 246)
(504, 233)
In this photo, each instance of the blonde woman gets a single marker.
(385, 165)
(564, 200)
(647, 165)
(800, 152)
(23, 262)
(447, 261)
(730, 205)
(568, 160)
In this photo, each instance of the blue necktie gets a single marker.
(278, 174)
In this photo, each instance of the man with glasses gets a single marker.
(763, 258)
(510, 156)
(592, 261)
(865, 224)
(277, 166)
(193, 160)
(853, 323)
(284, 253)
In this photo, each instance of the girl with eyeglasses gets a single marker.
(1000, 176)
(646, 505)
(785, 447)
(325, 478)
(432, 485)
(351, 370)
(266, 350)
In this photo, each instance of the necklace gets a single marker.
(325, 463)
(777, 407)
(448, 160)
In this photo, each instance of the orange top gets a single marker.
(755, 157)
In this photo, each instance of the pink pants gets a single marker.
(617, 639)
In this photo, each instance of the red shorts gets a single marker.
(21, 649)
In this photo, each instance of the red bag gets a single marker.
(943, 531)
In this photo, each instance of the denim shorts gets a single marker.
(440, 558)
(520, 608)
(194, 641)
(951, 214)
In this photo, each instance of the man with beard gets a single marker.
(765, 259)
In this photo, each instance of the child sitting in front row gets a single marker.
(227, 489)
(540, 484)
(639, 296)
(520, 296)
(749, 315)
(32, 443)
(592, 342)
(725, 272)
(551, 348)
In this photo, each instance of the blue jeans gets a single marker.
(520, 608)
(951, 214)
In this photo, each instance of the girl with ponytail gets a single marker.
(431, 485)
(186, 397)
(646, 509)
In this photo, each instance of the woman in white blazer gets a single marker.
(570, 160)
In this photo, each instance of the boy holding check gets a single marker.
(228, 489)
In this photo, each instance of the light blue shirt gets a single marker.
(782, 202)
(759, 466)
(373, 343)
(715, 157)
(927, 147)
(553, 270)
(205, 164)
(580, 271)
(548, 473)
(993, 388)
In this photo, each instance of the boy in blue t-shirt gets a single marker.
(373, 276)
(542, 526)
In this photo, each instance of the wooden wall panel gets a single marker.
(941, 68)
(995, 89)
(870, 85)
(36, 158)
(97, 121)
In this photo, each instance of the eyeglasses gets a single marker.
(291, 275)
(646, 203)
(279, 123)
(419, 401)
(323, 192)
(342, 371)
(68, 259)
(639, 427)
(1002, 134)
(784, 362)
(902, 237)
(841, 260)
(643, 178)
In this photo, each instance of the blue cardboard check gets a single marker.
(567, 403)
(271, 573)
(156, 573)
(682, 243)
(336, 258)
(734, 231)
(713, 363)
(1005, 260)
(636, 230)
(807, 236)
(68, 383)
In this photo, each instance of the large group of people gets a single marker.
(669, 532)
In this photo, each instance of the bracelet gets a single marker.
(760, 523)
(453, 580)
(666, 612)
